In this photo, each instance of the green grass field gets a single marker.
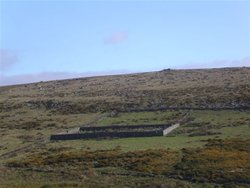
(229, 124)
(142, 118)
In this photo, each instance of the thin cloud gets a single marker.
(7, 59)
(37, 77)
(47, 76)
(244, 62)
(116, 38)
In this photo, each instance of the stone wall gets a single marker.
(120, 127)
(107, 135)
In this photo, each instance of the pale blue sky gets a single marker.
(126, 36)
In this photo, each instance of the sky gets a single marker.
(47, 40)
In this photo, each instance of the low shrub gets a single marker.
(219, 161)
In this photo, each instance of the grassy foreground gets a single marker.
(210, 150)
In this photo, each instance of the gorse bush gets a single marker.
(149, 161)
(219, 161)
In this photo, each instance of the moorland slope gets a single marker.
(211, 149)
(204, 88)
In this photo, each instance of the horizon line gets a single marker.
(70, 75)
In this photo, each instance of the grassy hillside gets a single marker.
(211, 149)
(228, 87)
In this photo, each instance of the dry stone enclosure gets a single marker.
(117, 131)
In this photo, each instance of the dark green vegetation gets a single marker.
(211, 149)
(219, 161)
